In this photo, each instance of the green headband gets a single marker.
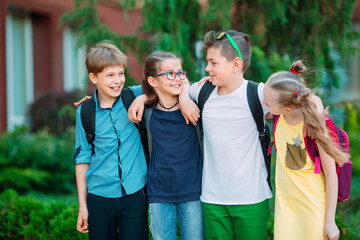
(222, 34)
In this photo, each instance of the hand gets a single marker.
(331, 231)
(77, 104)
(204, 79)
(136, 109)
(189, 110)
(82, 221)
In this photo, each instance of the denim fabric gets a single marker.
(164, 218)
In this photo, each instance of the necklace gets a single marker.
(168, 108)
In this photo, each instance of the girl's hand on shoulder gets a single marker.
(204, 79)
(136, 109)
(189, 110)
(77, 104)
(331, 231)
(82, 220)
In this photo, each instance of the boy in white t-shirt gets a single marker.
(235, 191)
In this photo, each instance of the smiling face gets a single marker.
(218, 67)
(109, 82)
(164, 86)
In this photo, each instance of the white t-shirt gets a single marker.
(234, 171)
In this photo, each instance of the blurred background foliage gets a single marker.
(282, 31)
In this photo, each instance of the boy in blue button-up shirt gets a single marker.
(115, 206)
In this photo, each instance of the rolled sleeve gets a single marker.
(83, 150)
(261, 97)
(194, 91)
(137, 90)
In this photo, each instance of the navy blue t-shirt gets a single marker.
(175, 167)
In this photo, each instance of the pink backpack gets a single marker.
(339, 136)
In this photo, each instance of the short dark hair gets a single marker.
(242, 40)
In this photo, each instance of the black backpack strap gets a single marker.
(128, 96)
(262, 126)
(147, 114)
(87, 114)
(204, 94)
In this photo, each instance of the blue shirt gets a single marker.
(118, 166)
(175, 166)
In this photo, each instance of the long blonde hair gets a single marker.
(292, 91)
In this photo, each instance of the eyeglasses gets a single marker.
(172, 75)
(220, 35)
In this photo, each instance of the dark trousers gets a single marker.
(123, 218)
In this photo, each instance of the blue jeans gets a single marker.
(164, 217)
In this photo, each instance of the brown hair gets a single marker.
(242, 40)
(292, 91)
(103, 55)
(151, 68)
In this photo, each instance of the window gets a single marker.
(19, 67)
(75, 74)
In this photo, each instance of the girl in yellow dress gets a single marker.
(305, 202)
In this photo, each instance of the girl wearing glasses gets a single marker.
(174, 174)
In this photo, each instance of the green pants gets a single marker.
(236, 222)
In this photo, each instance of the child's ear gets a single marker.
(288, 109)
(238, 63)
(93, 78)
(152, 82)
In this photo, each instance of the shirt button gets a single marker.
(114, 122)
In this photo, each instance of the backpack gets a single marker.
(257, 113)
(87, 114)
(341, 139)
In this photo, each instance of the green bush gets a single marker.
(37, 161)
(54, 112)
(26, 218)
(23, 179)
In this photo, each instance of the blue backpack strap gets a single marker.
(261, 125)
(87, 114)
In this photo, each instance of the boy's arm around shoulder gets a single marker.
(331, 231)
(188, 108)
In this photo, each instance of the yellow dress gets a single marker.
(300, 193)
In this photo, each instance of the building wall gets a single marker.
(48, 69)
